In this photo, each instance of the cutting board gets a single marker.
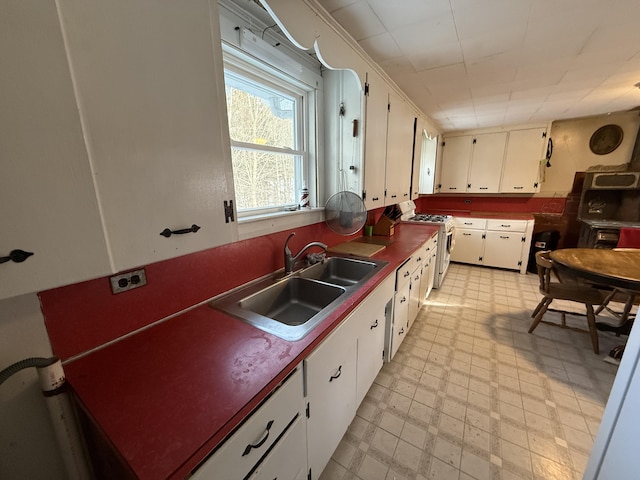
(356, 248)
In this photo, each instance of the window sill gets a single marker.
(250, 227)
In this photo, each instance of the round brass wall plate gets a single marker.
(606, 139)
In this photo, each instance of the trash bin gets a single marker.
(547, 240)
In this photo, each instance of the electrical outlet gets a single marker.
(128, 281)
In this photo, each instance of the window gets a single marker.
(268, 120)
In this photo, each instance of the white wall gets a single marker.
(28, 448)
(571, 151)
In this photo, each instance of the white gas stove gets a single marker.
(446, 235)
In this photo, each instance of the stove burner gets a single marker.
(427, 217)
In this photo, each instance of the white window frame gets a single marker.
(248, 66)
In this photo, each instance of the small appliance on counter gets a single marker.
(446, 235)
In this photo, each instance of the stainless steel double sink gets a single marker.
(292, 306)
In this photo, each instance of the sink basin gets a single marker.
(293, 306)
(293, 301)
(340, 270)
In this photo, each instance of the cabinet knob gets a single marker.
(17, 256)
(167, 232)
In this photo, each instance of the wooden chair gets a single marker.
(565, 290)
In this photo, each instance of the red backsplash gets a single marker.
(86, 315)
(519, 204)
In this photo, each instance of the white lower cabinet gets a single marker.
(340, 371)
(267, 435)
(294, 433)
(499, 243)
(469, 246)
(330, 377)
(371, 318)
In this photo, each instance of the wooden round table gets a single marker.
(614, 268)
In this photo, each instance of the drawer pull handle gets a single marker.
(401, 331)
(506, 226)
(505, 237)
(261, 442)
(404, 299)
(374, 325)
(394, 196)
(375, 199)
(453, 188)
(466, 234)
(168, 232)
(17, 256)
(468, 223)
(406, 274)
(337, 375)
(419, 259)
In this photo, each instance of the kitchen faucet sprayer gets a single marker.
(290, 260)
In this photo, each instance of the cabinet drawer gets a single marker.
(403, 274)
(288, 460)
(238, 455)
(507, 225)
(468, 222)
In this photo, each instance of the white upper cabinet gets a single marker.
(377, 109)
(456, 157)
(399, 150)
(111, 133)
(150, 87)
(525, 151)
(48, 201)
(416, 165)
(486, 162)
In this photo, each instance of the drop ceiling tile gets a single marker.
(444, 74)
(394, 15)
(332, 5)
(381, 47)
(359, 20)
(439, 56)
(481, 17)
(397, 66)
(438, 30)
(506, 42)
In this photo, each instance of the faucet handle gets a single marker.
(286, 244)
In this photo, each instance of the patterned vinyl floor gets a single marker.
(471, 395)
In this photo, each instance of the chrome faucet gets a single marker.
(290, 260)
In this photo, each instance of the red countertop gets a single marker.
(467, 213)
(168, 395)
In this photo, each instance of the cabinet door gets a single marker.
(469, 246)
(371, 317)
(414, 295)
(486, 162)
(416, 165)
(503, 249)
(525, 150)
(150, 79)
(400, 317)
(330, 374)
(375, 146)
(48, 200)
(399, 150)
(456, 157)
